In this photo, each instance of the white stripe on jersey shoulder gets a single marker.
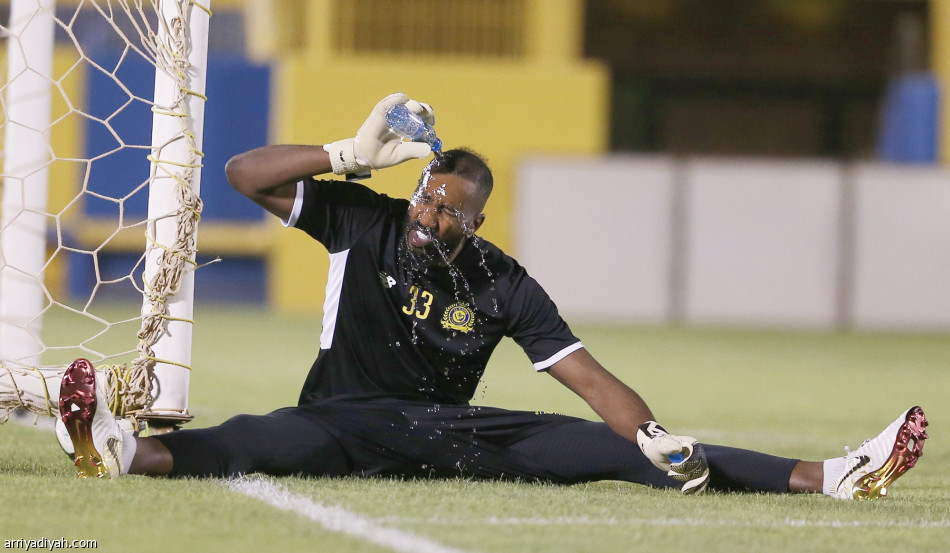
(331, 305)
(298, 206)
(546, 364)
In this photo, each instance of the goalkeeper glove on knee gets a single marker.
(689, 460)
(375, 146)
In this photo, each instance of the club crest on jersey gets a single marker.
(458, 316)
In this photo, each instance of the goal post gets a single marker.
(23, 224)
(26, 159)
(148, 379)
(174, 206)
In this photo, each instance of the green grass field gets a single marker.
(798, 394)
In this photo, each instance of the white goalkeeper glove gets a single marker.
(658, 445)
(375, 146)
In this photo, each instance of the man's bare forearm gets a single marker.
(269, 175)
(619, 406)
(616, 403)
(263, 169)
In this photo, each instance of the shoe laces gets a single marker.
(848, 452)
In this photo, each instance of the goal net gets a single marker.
(94, 207)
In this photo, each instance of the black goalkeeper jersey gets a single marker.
(389, 331)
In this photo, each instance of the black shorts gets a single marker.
(409, 439)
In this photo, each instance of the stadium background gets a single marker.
(567, 96)
(806, 81)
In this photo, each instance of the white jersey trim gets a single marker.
(298, 206)
(332, 304)
(546, 364)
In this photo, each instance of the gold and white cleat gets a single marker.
(96, 436)
(873, 467)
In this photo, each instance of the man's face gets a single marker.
(444, 211)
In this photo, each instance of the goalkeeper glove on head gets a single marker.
(690, 467)
(375, 146)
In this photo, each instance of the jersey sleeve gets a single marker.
(537, 326)
(336, 213)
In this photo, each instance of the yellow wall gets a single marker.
(67, 140)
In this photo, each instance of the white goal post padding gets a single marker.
(149, 375)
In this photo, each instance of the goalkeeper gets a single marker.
(415, 304)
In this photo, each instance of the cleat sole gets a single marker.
(908, 447)
(77, 407)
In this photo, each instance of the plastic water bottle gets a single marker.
(411, 126)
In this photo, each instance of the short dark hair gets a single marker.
(468, 165)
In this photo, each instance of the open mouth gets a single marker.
(418, 238)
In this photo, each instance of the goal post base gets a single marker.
(161, 422)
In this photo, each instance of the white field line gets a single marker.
(587, 521)
(335, 518)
